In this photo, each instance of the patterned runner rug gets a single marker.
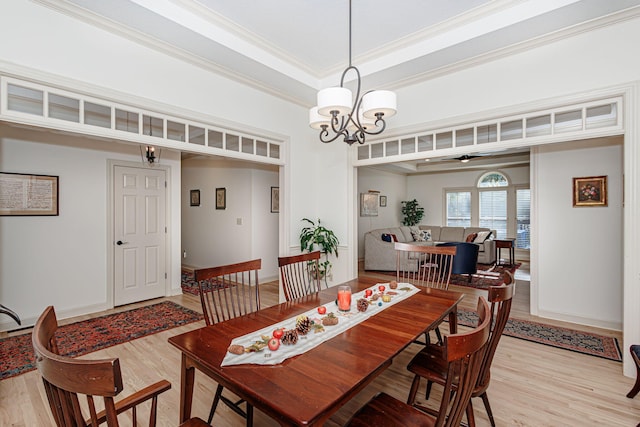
(77, 339)
(554, 336)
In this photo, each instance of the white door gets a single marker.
(139, 234)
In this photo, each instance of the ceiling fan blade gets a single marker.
(466, 157)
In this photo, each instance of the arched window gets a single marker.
(493, 179)
(492, 202)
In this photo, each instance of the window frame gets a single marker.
(511, 190)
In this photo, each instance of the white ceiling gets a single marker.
(292, 48)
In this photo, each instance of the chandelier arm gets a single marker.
(334, 123)
(324, 133)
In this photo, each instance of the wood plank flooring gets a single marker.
(532, 384)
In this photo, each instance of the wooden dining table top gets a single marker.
(308, 388)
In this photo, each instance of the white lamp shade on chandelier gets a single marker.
(334, 99)
(379, 102)
(316, 121)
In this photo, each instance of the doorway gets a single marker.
(139, 233)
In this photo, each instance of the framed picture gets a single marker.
(195, 197)
(221, 198)
(28, 195)
(368, 204)
(383, 201)
(590, 191)
(275, 199)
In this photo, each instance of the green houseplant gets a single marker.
(412, 211)
(318, 237)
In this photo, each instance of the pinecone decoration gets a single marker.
(290, 337)
(303, 325)
(330, 320)
(363, 304)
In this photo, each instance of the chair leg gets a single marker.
(636, 386)
(471, 420)
(485, 400)
(249, 415)
(413, 390)
(427, 392)
(439, 336)
(214, 405)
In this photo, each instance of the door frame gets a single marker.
(110, 238)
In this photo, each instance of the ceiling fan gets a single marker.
(465, 158)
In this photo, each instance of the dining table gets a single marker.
(307, 389)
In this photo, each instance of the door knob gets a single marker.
(120, 242)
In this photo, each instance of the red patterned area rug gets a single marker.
(77, 339)
(487, 275)
(554, 336)
(189, 286)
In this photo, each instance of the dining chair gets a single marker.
(66, 380)
(423, 265)
(430, 363)
(226, 292)
(463, 353)
(299, 274)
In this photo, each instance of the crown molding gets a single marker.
(595, 24)
(245, 34)
(93, 19)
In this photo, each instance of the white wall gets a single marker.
(580, 259)
(62, 260)
(586, 65)
(586, 62)
(213, 237)
(391, 185)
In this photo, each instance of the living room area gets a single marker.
(548, 267)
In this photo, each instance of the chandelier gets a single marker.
(338, 114)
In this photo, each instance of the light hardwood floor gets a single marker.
(532, 384)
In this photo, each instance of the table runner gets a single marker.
(313, 339)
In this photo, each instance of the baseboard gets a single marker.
(613, 326)
(28, 322)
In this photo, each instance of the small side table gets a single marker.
(507, 243)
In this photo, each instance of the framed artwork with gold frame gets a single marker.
(590, 191)
(24, 194)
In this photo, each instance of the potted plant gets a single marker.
(412, 211)
(317, 237)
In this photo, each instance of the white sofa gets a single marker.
(380, 255)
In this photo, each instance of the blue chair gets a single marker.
(466, 258)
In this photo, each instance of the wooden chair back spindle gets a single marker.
(299, 274)
(428, 266)
(229, 291)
